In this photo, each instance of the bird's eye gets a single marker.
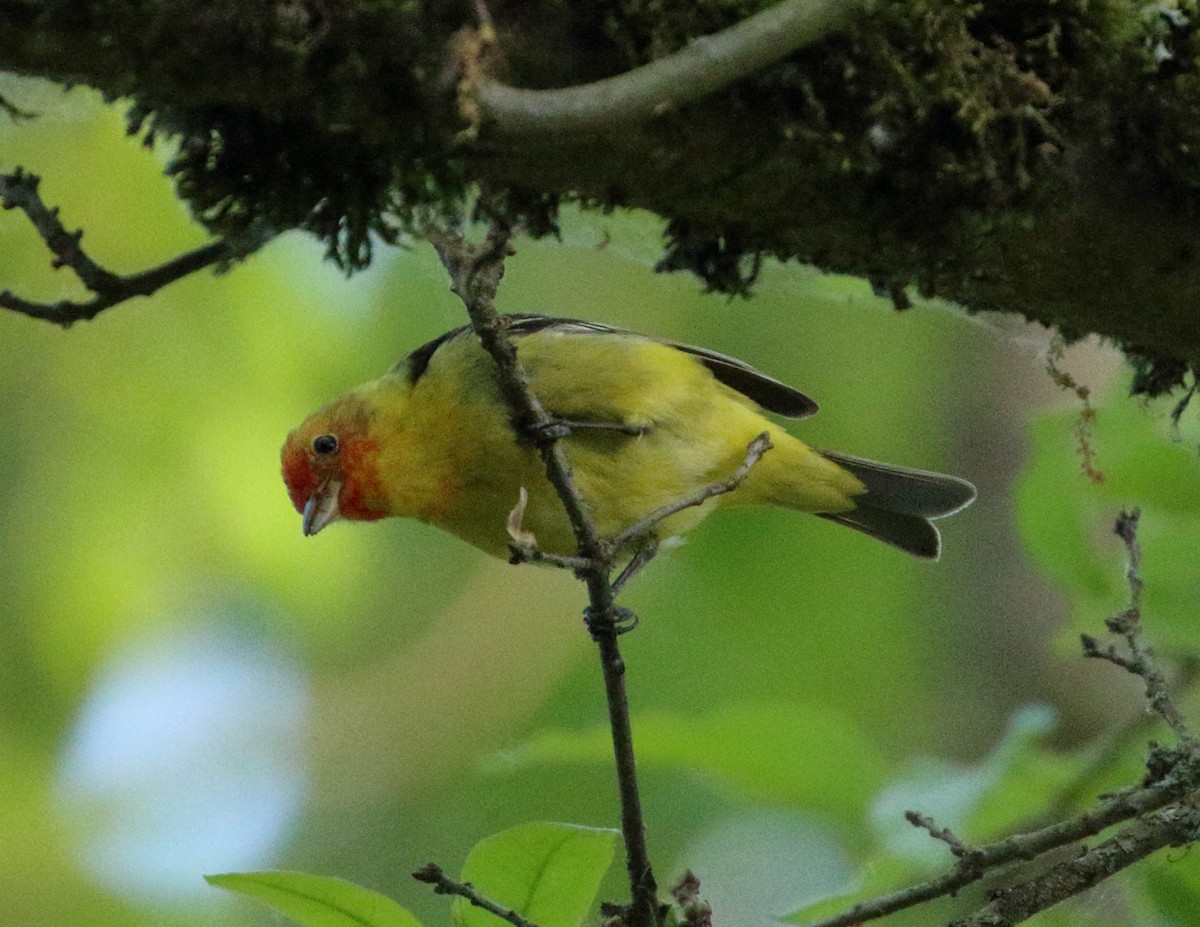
(325, 444)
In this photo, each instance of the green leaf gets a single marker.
(317, 901)
(547, 873)
(798, 756)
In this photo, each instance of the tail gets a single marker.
(900, 502)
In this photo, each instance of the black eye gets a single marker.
(325, 444)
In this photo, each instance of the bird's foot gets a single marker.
(619, 621)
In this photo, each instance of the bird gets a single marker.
(647, 422)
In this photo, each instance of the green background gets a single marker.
(187, 685)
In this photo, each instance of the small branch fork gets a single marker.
(1128, 625)
(1164, 810)
(19, 190)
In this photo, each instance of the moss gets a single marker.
(932, 143)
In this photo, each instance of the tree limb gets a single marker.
(1039, 158)
(1177, 824)
(977, 862)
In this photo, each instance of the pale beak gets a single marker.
(322, 508)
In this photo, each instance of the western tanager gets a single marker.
(432, 439)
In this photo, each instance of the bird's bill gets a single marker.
(321, 509)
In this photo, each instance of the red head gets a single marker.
(330, 466)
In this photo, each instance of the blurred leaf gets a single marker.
(804, 757)
(954, 795)
(1170, 883)
(1011, 784)
(547, 873)
(1066, 520)
(317, 901)
(881, 875)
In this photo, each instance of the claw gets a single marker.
(620, 621)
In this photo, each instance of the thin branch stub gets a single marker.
(434, 875)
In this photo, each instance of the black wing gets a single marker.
(771, 394)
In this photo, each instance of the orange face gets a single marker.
(329, 467)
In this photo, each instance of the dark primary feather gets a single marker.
(910, 533)
(905, 490)
(755, 385)
(899, 503)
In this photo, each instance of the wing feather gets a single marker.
(773, 395)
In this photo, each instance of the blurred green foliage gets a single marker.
(786, 673)
(317, 901)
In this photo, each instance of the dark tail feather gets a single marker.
(899, 503)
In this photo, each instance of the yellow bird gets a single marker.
(432, 439)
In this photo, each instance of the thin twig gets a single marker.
(19, 190)
(523, 544)
(645, 553)
(475, 274)
(754, 452)
(944, 834)
(444, 885)
(703, 66)
(1128, 625)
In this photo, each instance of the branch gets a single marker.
(754, 453)
(1176, 825)
(704, 65)
(19, 190)
(475, 274)
(976, 862)
(1116, 747)
(444, 885)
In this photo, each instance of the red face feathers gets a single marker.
(329, 466)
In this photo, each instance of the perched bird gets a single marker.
(432, 439)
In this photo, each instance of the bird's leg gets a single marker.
(644, 555)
